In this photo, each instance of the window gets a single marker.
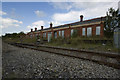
(89, 31)
(83, 31)
(62, 33)
(49, 36)
(98, 30)
(31, 36)
(59, 33)
(72, 31)
(36, 35)
(44, 34)
(55, 34)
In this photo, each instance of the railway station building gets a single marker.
(87, 28)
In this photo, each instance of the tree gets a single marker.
(111, 22)
(12, 35)
(21, 35)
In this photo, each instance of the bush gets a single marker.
(58, 40)
(75, 41)
(108, 34)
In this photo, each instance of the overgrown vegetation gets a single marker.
(75, 33)
(18, 38)
(112, 21)
(59, 40)
(89, 43)
(82, 43)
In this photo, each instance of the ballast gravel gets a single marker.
(26, 63)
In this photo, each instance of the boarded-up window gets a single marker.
(31, 36)
(89, 31)
(55, 34)
(44, 34)
(83, 31)
(36, 35)
(62, 33)
(72, 31)
(49, 36)
(98, 30)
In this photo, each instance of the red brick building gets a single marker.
(91, 27)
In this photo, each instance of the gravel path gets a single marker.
(26, 63)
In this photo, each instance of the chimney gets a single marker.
(81, 18)
(31, 30)
(41, 27)
(35, 29)
(51, 25)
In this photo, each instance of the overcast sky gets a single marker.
(22, 16)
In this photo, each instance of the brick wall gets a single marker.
(67, 32)
(102, 30)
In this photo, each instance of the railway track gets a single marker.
(111, 60)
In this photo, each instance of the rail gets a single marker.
(104, 57)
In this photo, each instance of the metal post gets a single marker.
(117, 31)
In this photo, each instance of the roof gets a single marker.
(79, 23)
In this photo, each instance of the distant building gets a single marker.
(91, 27)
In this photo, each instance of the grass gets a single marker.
(29, 40)
(18, 40)
(76, 42)
(80, 44)
(11, 40)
